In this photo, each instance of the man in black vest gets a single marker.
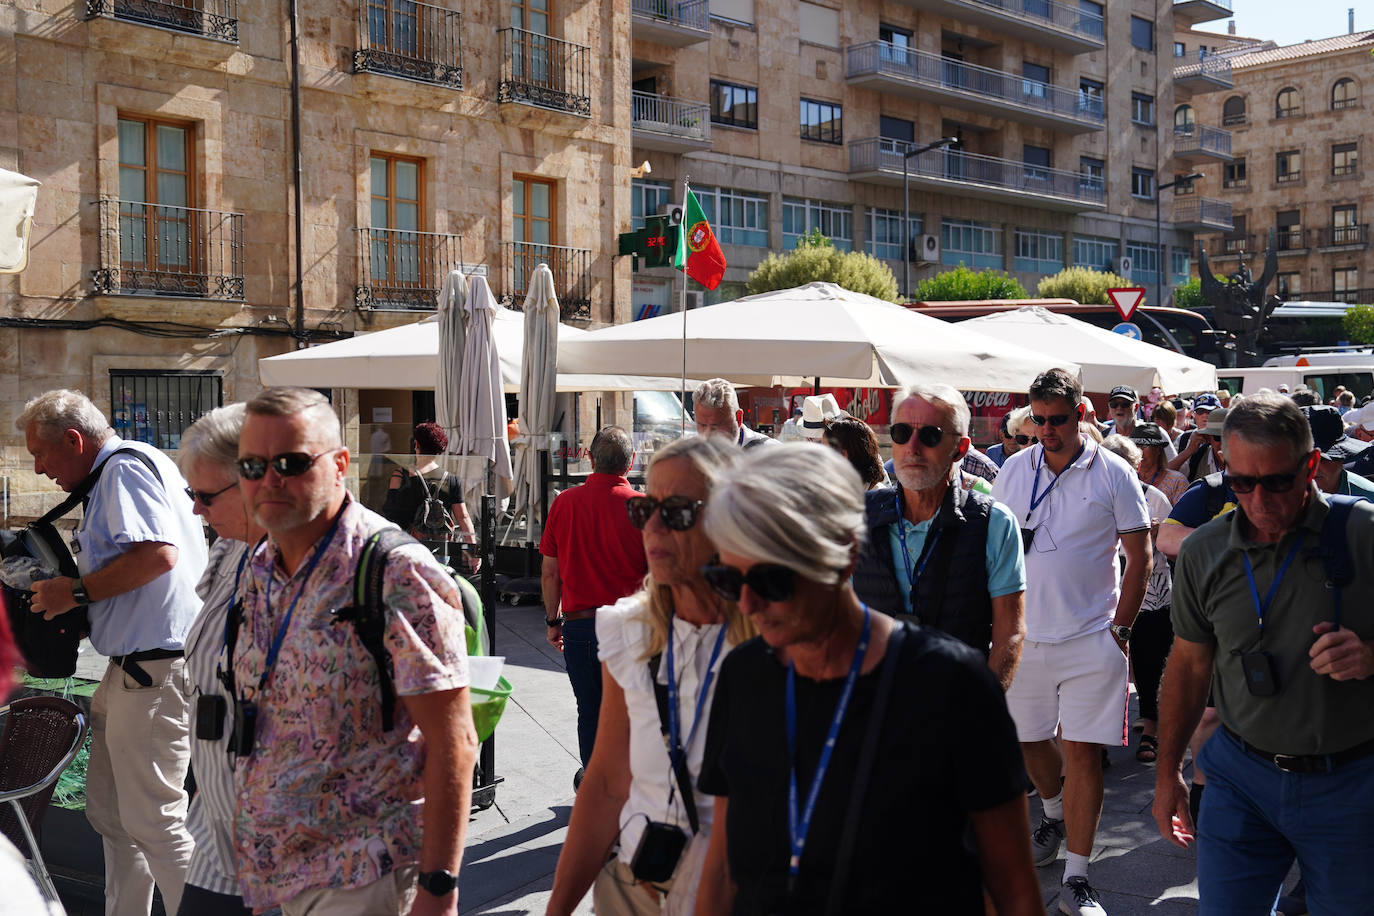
(944, 556)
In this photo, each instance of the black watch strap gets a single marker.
(555, 622)
(79, 593)
(439, 883)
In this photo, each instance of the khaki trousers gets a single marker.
(616, 892)
(390, 894)
(135, 785)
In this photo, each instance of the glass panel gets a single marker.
(519, 226)
(131, 139)
(380, 260)
(171, 148)
(518, 197)
(379, 182)
(539, 22)
(540, 231)
(407, 181)
(131, 184)
(133, 235)
(407, 216)
(171, 190)
(379, 214)
(376, 22)
(539, 200)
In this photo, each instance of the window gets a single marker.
(1180, 265)
(1344, 159)
(1144, 261)
(1289, 285)
(1037, 160)
(736, 217)
(835, 221)
(1142, 108)
(395, 244)
(157, 225)
(1344, 229)
(1345, 283)
(1097, 253)
(1184, 119)
(393, 25)
(973, 244)
(1288, 166)
(1288, 235)
(531, 15)
(1094, 171)
(1183, 187)
(1090, 15)
(1090, 95)
(1344, 94)
(533, 202)
(1286, 104)
(1233, 111)
(885, 233)
(900, 39)
(648, 198)
(898, 133)
(733, 105)
(1237, 239)
(1180, 50)
(1142, 34)
(1039, 252)
(154, 406)
(1143, 183)
(822, 122)
(1233, 173)
(1035, 80)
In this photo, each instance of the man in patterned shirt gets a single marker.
(331, 805)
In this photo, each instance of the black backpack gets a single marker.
(433, 519)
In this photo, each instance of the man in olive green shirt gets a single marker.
(1292, 770)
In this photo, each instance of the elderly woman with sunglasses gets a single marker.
(661, 649)
(850, 753)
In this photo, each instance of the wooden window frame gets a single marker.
(150, 171)
(390, 279)
(552, 185)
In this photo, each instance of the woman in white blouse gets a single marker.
(667, 640)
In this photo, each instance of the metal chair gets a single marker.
(42, 736)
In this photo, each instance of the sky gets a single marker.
(1276, 20)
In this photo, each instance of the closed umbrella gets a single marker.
(481, 400)
(537, 382)
(449, 359)
(18, 197)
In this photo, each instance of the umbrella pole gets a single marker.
(816, 388)
(486, 756)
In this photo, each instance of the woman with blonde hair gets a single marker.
(660, 650)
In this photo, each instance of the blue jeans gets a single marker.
(1256, 819)
(584, 671)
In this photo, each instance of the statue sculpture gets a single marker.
(1239, 305)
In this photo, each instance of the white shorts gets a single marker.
(1080, 683)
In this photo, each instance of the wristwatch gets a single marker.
(555, 622)
(440, 883)
(1121, 633)
(79, 593)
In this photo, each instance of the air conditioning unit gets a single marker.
(673, 212)
(1124, 266)
(925, 249)
(695, 298)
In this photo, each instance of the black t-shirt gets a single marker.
(948, 748)
(403, 503)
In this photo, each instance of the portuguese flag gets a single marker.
(698, 252)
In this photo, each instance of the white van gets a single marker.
(1321, 379)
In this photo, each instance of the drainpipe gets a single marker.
(299, 331)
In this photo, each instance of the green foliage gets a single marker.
(1081, 284)
(1189, 295)
(962, 284)
(817, 259)
(1358, 324)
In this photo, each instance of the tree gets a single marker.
(817, 259)
(963, 284)
(1081, 284)
(1358, 324)
(1189, 295)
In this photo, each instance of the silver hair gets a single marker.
(715, 393)
(798, 505)
(54, 412)
(1018, 416)
(947, 397)
(1118, 444)
(284, 401)
(1268, 420)
(213, 439)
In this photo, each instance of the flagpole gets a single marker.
(682, 227)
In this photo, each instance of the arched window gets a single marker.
(1184, 118)
(1286, 104)
(1233, 111)
(1344, 94)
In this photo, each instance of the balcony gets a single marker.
(1043, 22)
(156, 250)
(879, 161)
(1188, 13)
(410, 40)
(217, 19)
(1210, 74)
(669, 125)
(1202, 214)
(1342, 238)
(545, 72)
(1197, 144)
(572, 279)
(400, 269)
(1292, 240)
(672, 23)
(885, 67)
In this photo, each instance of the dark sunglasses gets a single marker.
(1274, 483)
(204, 498)
(1023, 440)
(1121, 403)
(1058, 419)
(770, 581)
(677, 512)
(929, 436)
(287, 464)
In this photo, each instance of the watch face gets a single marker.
(439, 883)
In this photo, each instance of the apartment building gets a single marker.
(789, 115)
(1298, 121)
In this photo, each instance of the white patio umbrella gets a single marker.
(449, 354)
(1108, 359)
(481, 401)
(537, 371)
(18, 197)
(815, 331)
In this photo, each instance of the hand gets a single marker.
(1340, 653)
(426, 904)
(1121, 644)
(52, 597)
(1171, 812)
(555, 637)
(1194, 442)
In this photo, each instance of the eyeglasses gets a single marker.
(929, 436)
(770, 581)
(678, 513)
(1120, 403)
(204, 498)
(1024, 440)
(1058, 419)
(287, 464)
(1274, 483)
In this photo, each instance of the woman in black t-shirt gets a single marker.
(410, 488)
(944, 811)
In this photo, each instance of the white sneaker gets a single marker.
(1077, 898)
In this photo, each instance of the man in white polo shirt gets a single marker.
(1074, 502)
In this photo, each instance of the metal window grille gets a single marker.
(156, 406)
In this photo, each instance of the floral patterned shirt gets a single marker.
(327, 799)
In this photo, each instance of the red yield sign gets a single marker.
(1126, 298)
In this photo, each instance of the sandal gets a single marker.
(1148, 750)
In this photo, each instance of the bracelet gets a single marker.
(555, 622)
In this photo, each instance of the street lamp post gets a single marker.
(906, 206)
(1186, 181)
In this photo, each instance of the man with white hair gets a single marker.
(717, 413)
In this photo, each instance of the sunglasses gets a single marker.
(1119, 403)
(929, 436)
(770, 581)
(1024, 440)
(204, 498)
(678, 513)
(287, 464)
(1274, 483)
(1058, 419)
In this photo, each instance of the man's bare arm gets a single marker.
(1008, 633)
(445, 721)
(134, 568)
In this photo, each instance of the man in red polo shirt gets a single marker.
(593, 556)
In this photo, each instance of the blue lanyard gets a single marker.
(677, 748)
(928, 551)
(798, 829)
(275, 648)
(234, 601)
(1262, 608)
(1036, 496)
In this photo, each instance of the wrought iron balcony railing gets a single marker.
(401, 269)
(691, 14)
(217, 19)
(1236, 244)
(1203, 211)
(545, 72)
(1211, 67)
(1351, 296)
(571, 268)
(1293, 238)
(661, 114)
(410, 40)
(1199, 138)
(1343, 236)
(152, 249)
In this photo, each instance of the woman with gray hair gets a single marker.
(209, 453)
(833, 798)
(660, 649)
